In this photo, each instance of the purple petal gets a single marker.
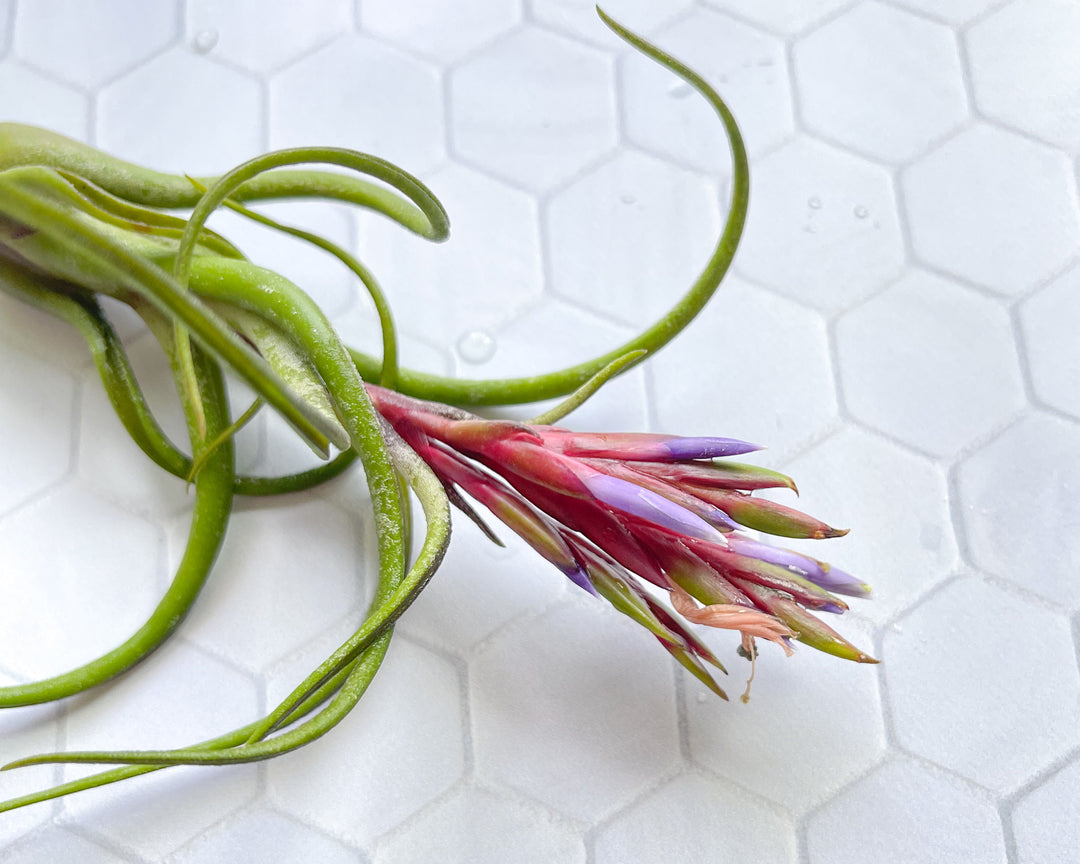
(680, 449)
(806, 567)
(718, 518)
(580, 578)
(827, 577)
(839, 582)
(635, 500)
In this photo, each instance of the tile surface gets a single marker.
(993, 207)
(881, 81)
(899, 328)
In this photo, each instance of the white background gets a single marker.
(900, 329)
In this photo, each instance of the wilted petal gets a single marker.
(808, 629)
(749, 622)
(693, 644)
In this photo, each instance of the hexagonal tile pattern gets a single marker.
(61, 846)
(881, 81)
(944, 711)
(780, 398)
(783, 16)
(1016, 518)
(371, 80)
(158, 115)
(265, 829)
(26, 330)
(493, 259)
(656, 226)
(908, 814)
(91, 44)
(1043, 820)
(746, 66)
(27, 729)
(604, 237)
(994, 208)
(29, 97)
(105, 568)
(444, 33)
(917, 359)
(475, 826)
(402, 748)
(169, 808)
(253, 620)
(359, 328)
(660, 826)
(524, 711)
(263, 36)
(533, 108)
(822, 226)
(482, 588)
(36, 400)
(571, 335)
(858, 481)
(579, 18)
(951, 11)
(1052, 351)
(1024, 69)
(764, 748)
(110, 462)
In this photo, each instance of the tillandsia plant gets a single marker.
(631, 518)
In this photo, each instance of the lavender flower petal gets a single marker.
(679, 449)
(830, 578)
(806, 567)
(840, 582)
(579, 577)
(647, 505)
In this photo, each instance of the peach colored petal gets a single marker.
(749, 622)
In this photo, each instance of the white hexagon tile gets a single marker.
(899, 327)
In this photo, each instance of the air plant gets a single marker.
(630, 517)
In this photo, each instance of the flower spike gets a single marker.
(619, 512)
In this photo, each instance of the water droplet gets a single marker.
(809, 229)
(205, 40)
(701, 697)
(814, 203)
(628, 199)
(476, 347)
(680, 90)
(861, 212)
